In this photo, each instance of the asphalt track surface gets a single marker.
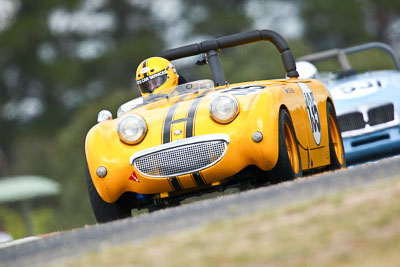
(52, 248)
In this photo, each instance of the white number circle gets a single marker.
(312, 111)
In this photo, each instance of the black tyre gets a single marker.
(288, 166)
(103, 211)
(336, 150)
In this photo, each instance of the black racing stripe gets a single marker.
(198, 179)
(175, 183)
(144, 66)
(189, 120)
(168, 121)
(167, 124)
(178, 120)
(191, 114)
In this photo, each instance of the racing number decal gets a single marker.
(362, 85)
(357, 88)
(312, 111)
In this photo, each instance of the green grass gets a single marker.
(355, 228)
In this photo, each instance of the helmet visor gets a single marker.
(150, 83)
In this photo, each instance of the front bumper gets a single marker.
(186, 164)
(372, 145)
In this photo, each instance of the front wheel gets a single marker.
(288, 166)
(336, 150)
(103, 211)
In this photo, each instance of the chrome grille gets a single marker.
(381, 114)
(351, 121)
(182, 159)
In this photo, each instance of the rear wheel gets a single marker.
(288, 166)
(104, 211)
(336, 150)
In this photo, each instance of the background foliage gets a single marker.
(62, 61)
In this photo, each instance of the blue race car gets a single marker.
(367, 103)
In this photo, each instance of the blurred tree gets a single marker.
(333, 23)
(67, 162)
(23, 78)
(135, 37)
(57, 55)
(258, 61)
(341, 23)
(216, 17)
(208, 20)
(380, 15)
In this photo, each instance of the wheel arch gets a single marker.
(330, 100)
(284, 107)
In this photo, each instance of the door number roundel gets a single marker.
(312, 111)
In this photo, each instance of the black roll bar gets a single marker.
(211, 48)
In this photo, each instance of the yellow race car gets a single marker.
(210, 135)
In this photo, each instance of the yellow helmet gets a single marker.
(156, 75)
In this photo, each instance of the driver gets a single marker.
(156, 75)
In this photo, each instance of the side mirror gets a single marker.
(104, 115)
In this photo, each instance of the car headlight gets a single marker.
(224, 108)
(132, 129)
